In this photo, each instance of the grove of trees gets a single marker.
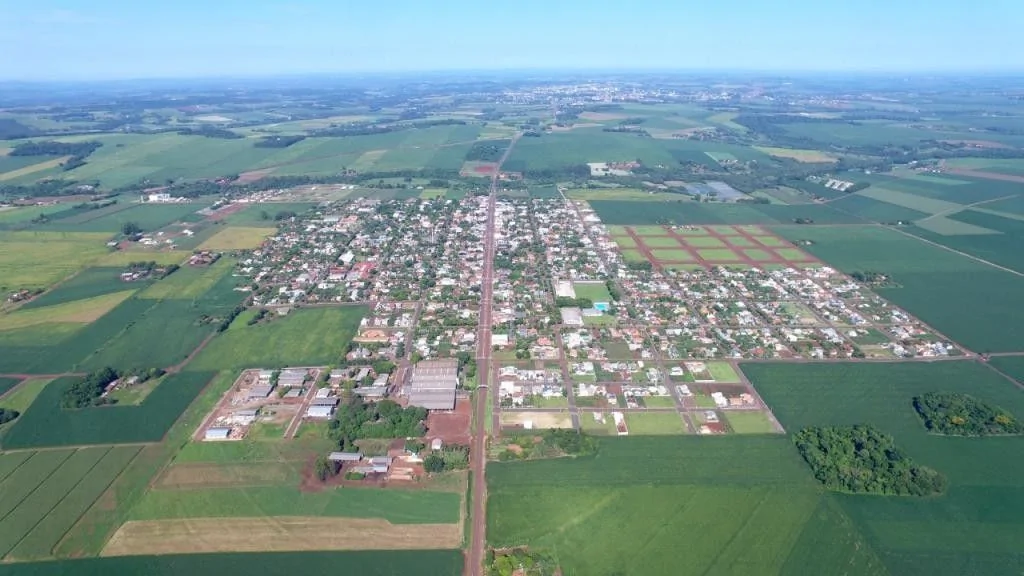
(864, 460)
(964, 415)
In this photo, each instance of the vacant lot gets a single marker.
(308, 337)
(972, 523)
(654, 423)
(237, 238)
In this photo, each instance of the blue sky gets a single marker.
(104, 39)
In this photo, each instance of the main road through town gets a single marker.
(478, 456)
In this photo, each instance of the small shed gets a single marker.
(436, 444)
(217, 433)
(320, 411)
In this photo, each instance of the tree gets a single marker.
(131, 229)
(6, 415)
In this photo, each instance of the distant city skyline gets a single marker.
(120, 39)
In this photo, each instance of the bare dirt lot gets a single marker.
(277, 534)
(451, 428)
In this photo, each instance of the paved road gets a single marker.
(475, 559)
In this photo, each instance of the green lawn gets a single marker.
(594, 291)
(310, 336)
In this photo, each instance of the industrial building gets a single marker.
(433, 384)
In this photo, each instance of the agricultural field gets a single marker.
(392, 505)
(694, 213)
(960, 531)
(929, 279)
(81, 312)
(89, 283)
(45, 501)
(741, 503)
(149, 217)
(253, 215)
(306, 337)
(46, 424)
(810, 156)
(237, 238)
(38, 259)
(189, 282)
(367, 563)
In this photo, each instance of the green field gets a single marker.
(252, 215)
(593, 291)
(694, 213)
(88, 283)
(33, 529)
(759, 255)
(661, 242)
(743, 505)
(90, 534)
(6, 384)
(45, 423)
(190, 281)
(150, 217)
(975, 527)
(749, 422)
(672, 255)
(38, 259)
(929, 280)
(722, 372)
(719, 254)
(21, 398)
(1012, 366)
(311, 336)
(704, 242)
(395, 506)
(364, 563)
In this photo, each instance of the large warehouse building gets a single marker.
(433, 384)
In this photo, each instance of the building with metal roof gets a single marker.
(433, 384)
